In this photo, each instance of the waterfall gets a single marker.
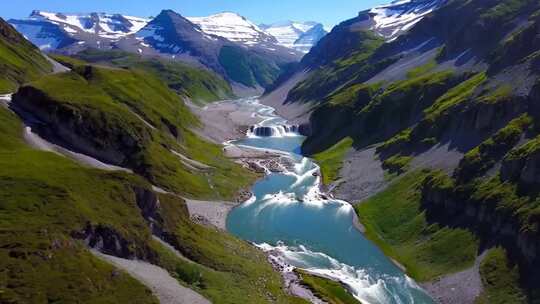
(273, 131)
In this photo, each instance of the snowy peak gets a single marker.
(110, 26)
(307, 40)
(301, 36)
(51, 30)
(233, 27)
(172, 35)
(393, 19)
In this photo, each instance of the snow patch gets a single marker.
(231, 26)
(393, 19)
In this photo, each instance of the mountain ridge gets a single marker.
(197, 44)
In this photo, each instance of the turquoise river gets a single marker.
(289, 215)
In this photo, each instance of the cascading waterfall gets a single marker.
(273, 131)
(289, 217)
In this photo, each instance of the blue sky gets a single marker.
(329, 12)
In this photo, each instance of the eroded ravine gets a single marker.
(289, 217)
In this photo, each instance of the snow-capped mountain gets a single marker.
(110, 26)
(307, 40)
(216, 42)
(43, 34)
(393, 19)
(171, 33)
(233, 27)
(296, 35)
(56, 30)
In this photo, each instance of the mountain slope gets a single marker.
(104, 25)
(141, 125)
(454, 90)
(198, 85)
(20, 61)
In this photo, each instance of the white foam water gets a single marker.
(362, 285)
(272, 131)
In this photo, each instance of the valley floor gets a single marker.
(223, 121)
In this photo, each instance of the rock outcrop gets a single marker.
(495, 225)
(82, 128)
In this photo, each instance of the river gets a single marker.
(288, 215)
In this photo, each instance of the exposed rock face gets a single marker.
(89, 134)
(106, 240)
(109, 241)
(525, 170)
(149, 205)
(494, 226)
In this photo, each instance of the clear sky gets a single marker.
(329, 12)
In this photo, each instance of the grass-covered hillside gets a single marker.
(456, 92)
(198, 84)
(20, 61)
(52, 208)
(248, 68)
(395, 220)
(130, 118)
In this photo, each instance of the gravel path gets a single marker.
(166, 288)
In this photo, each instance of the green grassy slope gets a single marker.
(20, 61)
(150, 120)
(247, 69)
(346, 66)
(331, 160)
(200, 85)
(44, 198)
(500, 279)
(396, 222)
(48, 200)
